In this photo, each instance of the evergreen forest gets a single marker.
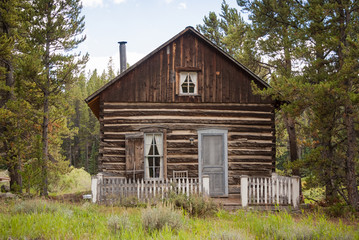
(308, 51)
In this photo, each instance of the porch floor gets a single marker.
(234, 204)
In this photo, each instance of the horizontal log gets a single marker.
(107, 136)
(234, 189)
(249, 137)
(250, 157)
(182, 151)
(250, 152)
(198, 123)
(113, 151)
(112, 144)
(176, 126)
(115, 159)
(185, 128)
(180, 159)
(114, 166)
(236, 144)
(187, 113)
(234, 159)
(250, 167)
(222, 106)
(181, 167)
(120, 173)
(234, 180)
(171, 144)
(181, 137)
(241, 148)
(193, 118)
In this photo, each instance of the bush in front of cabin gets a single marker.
(194, 205)
(161, 217)
(119, 223)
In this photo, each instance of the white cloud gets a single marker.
(182, 5)
(119, 1)
(92, 3)
(168, 1)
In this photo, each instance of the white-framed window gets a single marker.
(188, 83)
(153, 155)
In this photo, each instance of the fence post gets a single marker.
(94, 183)
(205, 181)
(244, 190)
(99, 186)
(295, 191)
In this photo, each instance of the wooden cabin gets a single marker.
(187, 109)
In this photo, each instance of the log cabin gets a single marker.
(186, 109)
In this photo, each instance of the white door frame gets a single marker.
(211, 132)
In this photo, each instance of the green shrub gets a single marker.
(161, 217)
(129, 202)
(34, 206)
(340, 210)
(194, 205)
(118, 223)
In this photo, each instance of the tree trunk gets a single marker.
(331, 191)
(292, 136)
(45, 122)
(350, 159)
(45, 147)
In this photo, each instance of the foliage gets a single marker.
(81, 148)
(311, 45)
(230, 32)
(161, 217)
(119, 223)
(75, 180)
(194, 205)
(45, 219)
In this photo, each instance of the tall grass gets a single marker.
(40, 219)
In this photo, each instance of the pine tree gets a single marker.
(276, 31)
(55, 28)
(10, 18)
(230, 32)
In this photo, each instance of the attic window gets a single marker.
(188, 83)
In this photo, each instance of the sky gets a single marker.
(144, 24)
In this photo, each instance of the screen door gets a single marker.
(214, 162)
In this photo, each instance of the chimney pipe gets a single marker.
(123, 60)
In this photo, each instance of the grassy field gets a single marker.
(41, 219)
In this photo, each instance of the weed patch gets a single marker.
(161, 217)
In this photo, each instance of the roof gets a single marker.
(93, 97)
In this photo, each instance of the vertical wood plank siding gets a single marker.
(250, 127)
(219, 79)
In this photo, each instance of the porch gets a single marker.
(255, 190)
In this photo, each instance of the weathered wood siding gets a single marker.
(147, 97)
(251, 135)
(156, 79)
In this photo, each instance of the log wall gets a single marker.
(251, 135)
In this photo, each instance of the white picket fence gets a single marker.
(277, 190)
(109, 189)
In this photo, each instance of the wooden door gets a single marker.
(213, 158)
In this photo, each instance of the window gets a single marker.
(153, 155)
(188, 83)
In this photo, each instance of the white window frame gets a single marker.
(194, 78)
(147, 155)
